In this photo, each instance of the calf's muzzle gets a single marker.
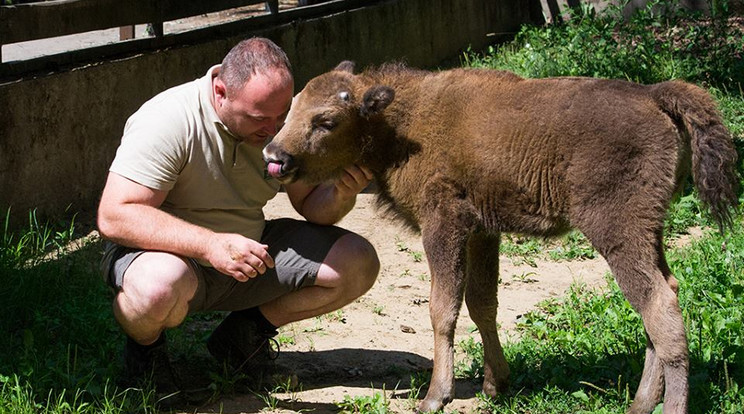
(279, 163)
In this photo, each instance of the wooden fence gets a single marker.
(31, 21)
(47, 19)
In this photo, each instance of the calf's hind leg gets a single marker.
(640, 269)
(481, 297)
(652, 384)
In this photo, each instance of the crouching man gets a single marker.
(182, 215)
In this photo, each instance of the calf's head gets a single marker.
(326, 127)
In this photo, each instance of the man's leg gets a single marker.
(153, 290)
(155, 293)
(348, 271)
(318, 270)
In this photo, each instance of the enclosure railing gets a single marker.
(31, 21)
(48, 19)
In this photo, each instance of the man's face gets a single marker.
(254, 113)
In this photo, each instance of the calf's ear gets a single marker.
(376, 99)
(345, 66)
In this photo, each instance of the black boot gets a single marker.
(244, 343)
(149, 365)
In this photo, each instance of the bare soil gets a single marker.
(376, 343)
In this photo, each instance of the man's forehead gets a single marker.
(265, 97)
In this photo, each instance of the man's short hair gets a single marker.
(250, 57)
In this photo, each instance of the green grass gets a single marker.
(584, 352)
(647, 49)
(377, 403)
(526, 250)
(59, 338)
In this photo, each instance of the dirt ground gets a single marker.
(379, 341)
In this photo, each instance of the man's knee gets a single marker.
(363, 263)
(155, 283)
(371, 266)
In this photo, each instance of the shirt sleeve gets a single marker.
(153, 149)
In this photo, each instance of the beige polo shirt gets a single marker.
(175, 142)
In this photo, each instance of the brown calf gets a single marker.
(464, 155)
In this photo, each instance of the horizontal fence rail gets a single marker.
(31, 21)
(50, 19)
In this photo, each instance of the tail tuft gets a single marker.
(714, 157)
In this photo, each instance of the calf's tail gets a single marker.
(713, 154)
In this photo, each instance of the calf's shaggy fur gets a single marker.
(464, 155)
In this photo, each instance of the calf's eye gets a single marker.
(326, 125)
(323, 124)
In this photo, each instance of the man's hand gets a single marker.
(354, 180)
(238, 256)
(329, 202)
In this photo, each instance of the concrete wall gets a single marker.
(59, 132)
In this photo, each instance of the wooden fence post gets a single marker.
(555, 11)
(157, 29)
(273, 6)
(126, 32)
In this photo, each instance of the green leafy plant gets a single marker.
(650, 47)
(527, 250)
(31, 246)
(283, 386)
(572, 246)
(284, 339)
(521, 249)
(525, 277)
(470, 364)
(377, 403)
(417, 256)
(419, 381)
(378, 310)
(335, 316)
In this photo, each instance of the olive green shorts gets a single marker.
(298, 249)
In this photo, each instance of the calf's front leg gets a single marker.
(444, 244)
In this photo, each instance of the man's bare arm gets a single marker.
(328, 203)
(129, 215)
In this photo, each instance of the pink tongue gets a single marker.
(275, 169)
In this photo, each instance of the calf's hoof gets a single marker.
(491, 390)
(641, 407)
(431, 405)
(496, 386)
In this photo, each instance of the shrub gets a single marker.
(648, 48)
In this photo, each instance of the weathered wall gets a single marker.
(59, 132)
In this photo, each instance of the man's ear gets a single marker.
(376, 99)
(345, 66)
(219, 89)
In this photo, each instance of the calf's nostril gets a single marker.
(269, 151)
